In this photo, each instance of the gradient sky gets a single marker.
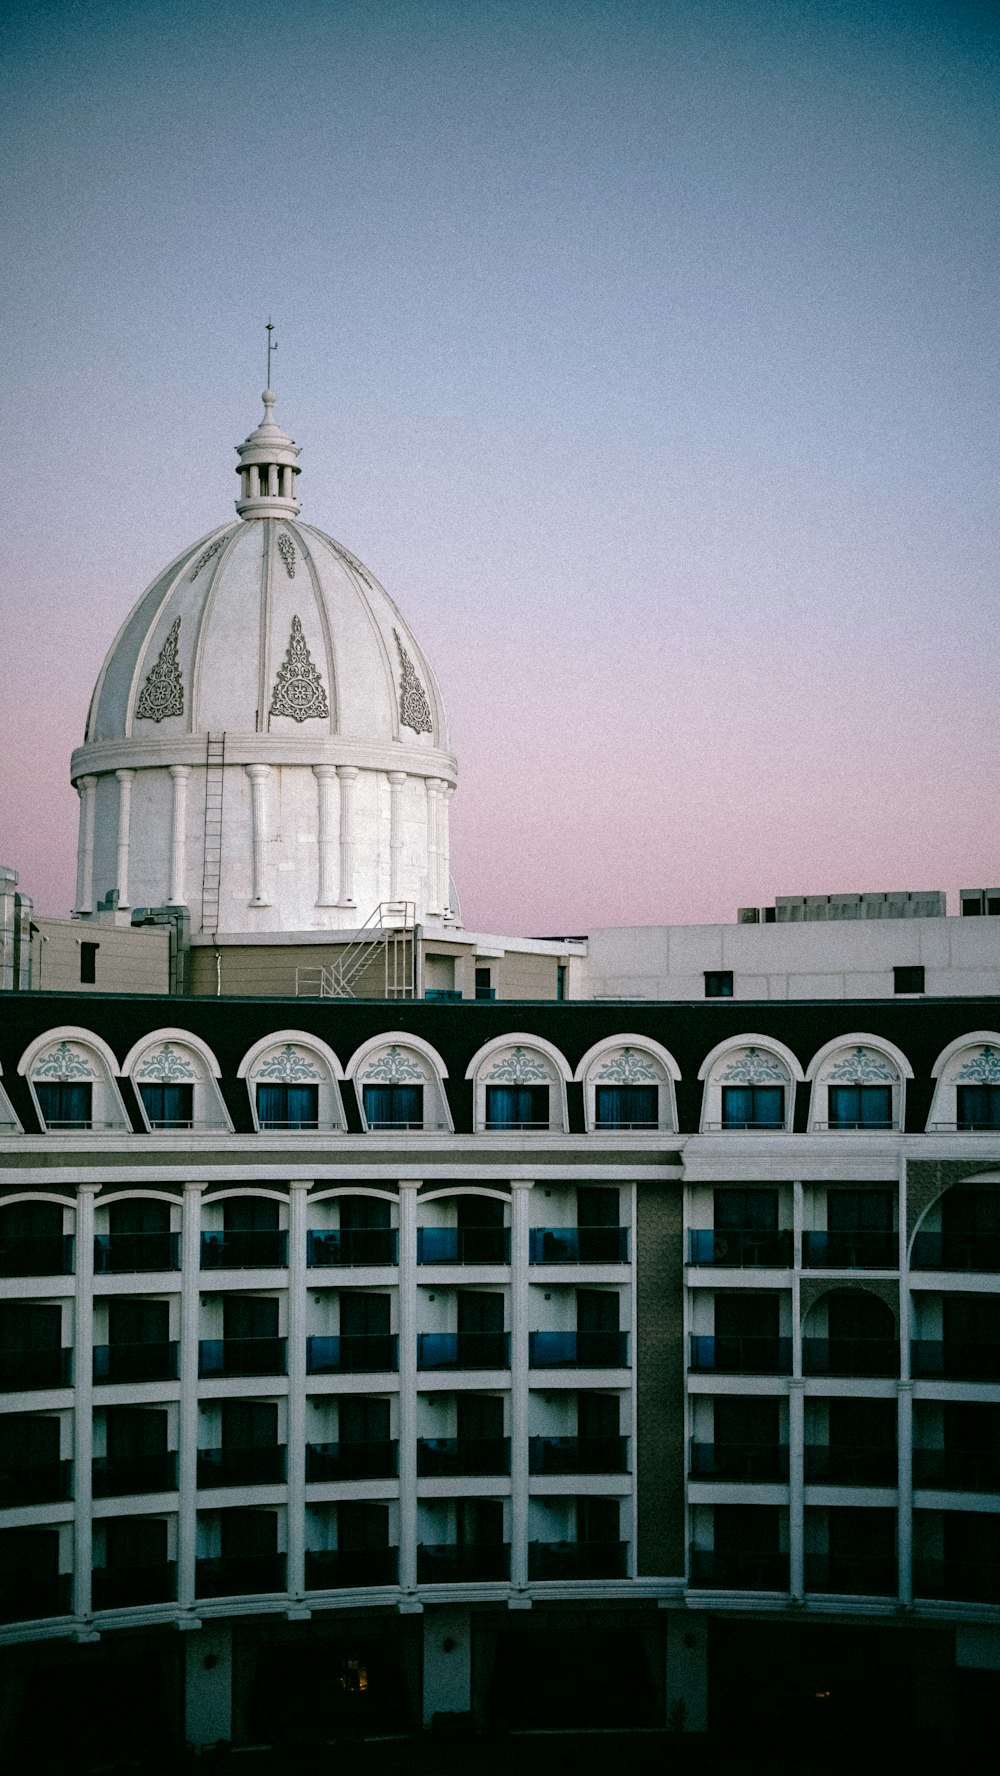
(647, 353)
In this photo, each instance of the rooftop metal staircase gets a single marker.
(388, 931)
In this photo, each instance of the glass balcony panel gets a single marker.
(739, 1569)
(24, 1255)
(450, 1563)
(240, 1575)
(850, 1249)
(741, 1354)
(463, 1245)
(850, 1356)
(351, 1246)
(463, 1350)
(29, 1599)
(22, 1369)
(242, 1467)
(968, 1581)
(337, 1569)
(352, 1461)
(577, 1560)
(578, 1350)
(957, 1470)
(441, 1458)
(960, 1359)
(956, 1251)
(578, 1455)
(355, 1353)
(860, 1575)
(753, 1463)
(115, 1253)
(121, 1587)
(136, 1362)
(242, 1356)
(36, 1483)
(743, 1248)
(114, 1476)
(266, 1249)
(578, 1245)
(847, 1465)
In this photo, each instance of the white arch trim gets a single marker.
(179, 1038)
(520, 1039)
(643, 1044)
(975, 1039)
(861, 1039)
(316, 1196)
(36, 1196)
(457, 1189)
(396, 1039)
(245, 1190)
(769, 1044)
(68, 1033)
(292, 1038)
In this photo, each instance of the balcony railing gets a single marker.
(23, 1369)
(118, 1252)
(578, 1350)
(154, 1361)
(30, 1255)
(957, 1470)
(351, 1246)
(262, 1466)
(956, 1251)
(739, 1569)
(352, 1461)
(266, 1250)
(955, 1359)
(354, 1353)
(121, 1587)
(447, 1563)
(850, 1356)
(836, 1249)
(578, 1245)
(577, 1560)
(25, 1598)
(859, 1575)
(968, 1581)
(36, 1483)
(242, 1356)
(578, 1455)
(742, 1249)
(463, 1245)
(445, 1458)
(344, 1569)
(114, 1476)
(237, 1575)
(845, 1464)
(739, 1353)
(751, 1463)
(463, 1350)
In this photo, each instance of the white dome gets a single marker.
(266, 739)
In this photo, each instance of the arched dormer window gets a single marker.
(399, 1080)
(292, 1079)
(520, 1085)
(749, 1085)
(628, 1084)
(71, 1076)
(967, 1092)
(858, 1083)
(175, 1077)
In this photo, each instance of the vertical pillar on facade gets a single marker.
(83, 1399)
(208, 1686)
(396, 781)
(519, 1381)
(297, 1280)
(687, 1671)
(187, 1458)
(444, 848)
(904, 1428)
(258, 775)
(796, 1416)
(347, 775)
(447, 1662)
(326, 777)
(87, 788)
(408, 1188)
(434, 784)
(125, 781)
(179, 775)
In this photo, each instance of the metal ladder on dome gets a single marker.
(215, 759)
(390, 929)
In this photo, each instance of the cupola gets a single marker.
(267, 469)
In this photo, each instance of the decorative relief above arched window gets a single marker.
(749, 1085)
(519, 1068)
(165, 1065)
(292, 1080)
(64, 1062)
(289, 1065)
(176, 1082)
(967, 1094)
(754, 1068)
(72, 1079)
(393, 1068)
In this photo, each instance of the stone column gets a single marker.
(326, 776)
(187, 1459)
(396, 781)
(519, 1381)
(179, 775)
(347, 775)
(444, 848)
(408, 1188)
(125, 780)
(258, 775)
(87, 789)
(447, 1662)
(208, 1687)
(796, 1416)
(687, 1671)
(83, 1399)
(434, 785)
(904, 1433)
(297, 1280)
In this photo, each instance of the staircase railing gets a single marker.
(389, 930)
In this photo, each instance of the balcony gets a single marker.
(264, 1466)
(739, 1353)
(352, 1461)
(463, 1350)
(849, 1465)
(116, 1476)
(344, 1569)
(578, 1245)
(968, 1581)
(126, 1586)
(239, 1575)
(446, 1458)
(25, 1598)
(115, 1253)
(23, 1369)
(31, 1255)
(346, 1246)
(154, 1361)
(578, 1455)
(754, 1464)
(960, 1359)
(956, 1251)
(266, 1250)
(742, 1249)
(578, 1350)
(36, 1483)
(857, 1357)
(577, 1560)
(449, 1563)
(242, 1356)
(739, 1569)
(957, 1470)
(857, 1575)
(356, 1353)
(840, 1250)
(463, 1245)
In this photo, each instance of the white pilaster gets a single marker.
(447, 1662)
(87, 788)
(796, 1413)
(904, 1424)
(687, 1672)
(519, 1381)
(125, 781)
(444, 847)
(396, 781)
(83, 1415)
(179, 775)
(208, 1686)
(258, 775)
(187, 1459)
(434, 784)
(347, 775)
(326, 777)
(408, 1188)
(297, 1280)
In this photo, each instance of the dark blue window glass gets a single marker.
(753, 1106)
(288, 1106)
(65, 1105)
(394, 1106)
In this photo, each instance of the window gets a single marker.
(860, 1106)
(719, 984)
(625, 1106)
(288, 1106)
(394, 1106)
(88, 964)
(484, 987)
(168, 1106)
(65, 1105)
(977, 1106)
(517, 1106)
(746, 1211)
(562, 973)
(753, 1106)
(908, 980)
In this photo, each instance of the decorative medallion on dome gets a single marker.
(204, 559)
(414, 709)
(163, 693)
(286, 549)
(298, 688)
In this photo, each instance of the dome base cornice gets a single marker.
(260, 749)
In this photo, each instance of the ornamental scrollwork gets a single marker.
(298, 688)
(165, 1066)
(393, 1068)
(627, 1068)
(163, 692)
(754, 1068)
(518, 1068)
(286, 549)
(204, 559)
(288, 1064)
(414, 709)
(983, 1069)
(863, 1067)
(64, 1062)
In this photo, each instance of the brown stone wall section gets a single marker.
(659, 1266)
(927, 1178)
